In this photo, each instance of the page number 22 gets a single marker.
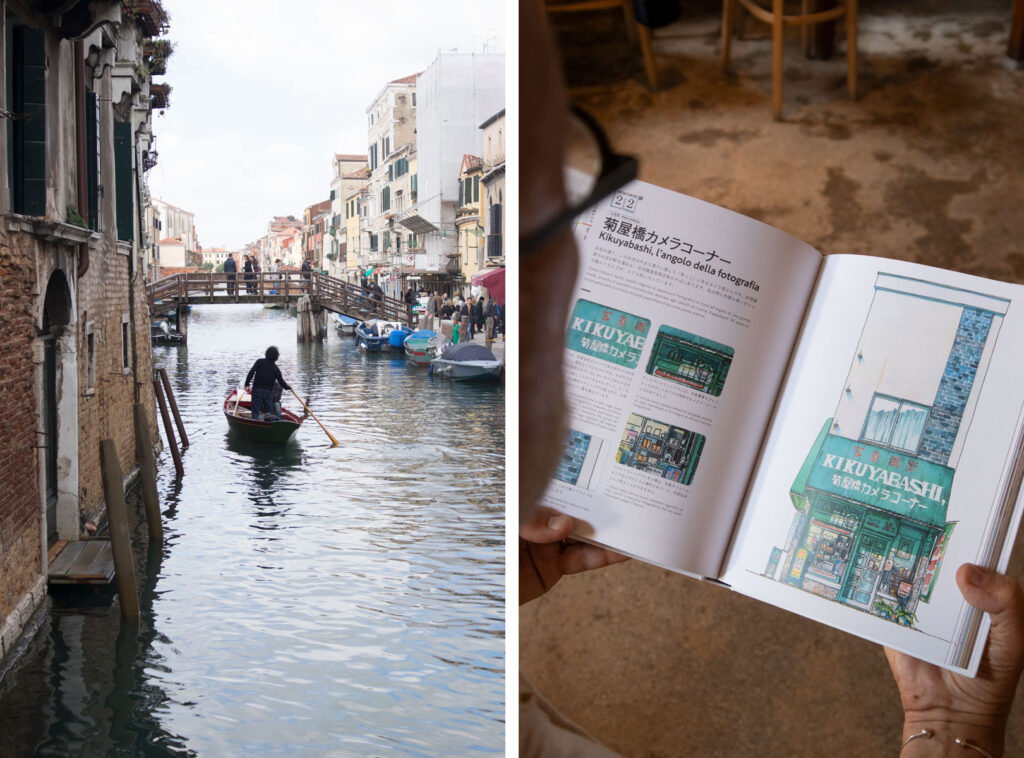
(624, 202)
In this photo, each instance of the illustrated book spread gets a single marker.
(834, 435)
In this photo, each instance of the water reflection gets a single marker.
(309, 600)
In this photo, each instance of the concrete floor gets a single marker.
(926, 166)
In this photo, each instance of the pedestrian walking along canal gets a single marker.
(308, 600)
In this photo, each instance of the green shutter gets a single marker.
(476, 189)
(92, 154)
(28, 153)
(123, 179)
(412, 182)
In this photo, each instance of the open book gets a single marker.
(833, 435)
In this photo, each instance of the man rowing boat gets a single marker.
(262, 376)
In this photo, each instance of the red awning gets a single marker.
(494, 280)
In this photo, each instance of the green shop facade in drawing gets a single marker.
(690, 360)
(872, 495)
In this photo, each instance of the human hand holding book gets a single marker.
(545, 555)
(939, 705)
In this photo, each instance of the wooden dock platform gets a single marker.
(83, 563)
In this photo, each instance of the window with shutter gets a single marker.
(92, 141)
(123, 179)
(26, 94)
(476, 189)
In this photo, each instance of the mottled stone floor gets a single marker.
(927, 166)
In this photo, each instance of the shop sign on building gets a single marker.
(886, 479)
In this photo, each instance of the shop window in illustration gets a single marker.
(690, 360)
(579, 459)
(658, 448)
(872, 496)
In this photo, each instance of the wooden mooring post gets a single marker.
(120, 536)
(172, 443)
(147, 474)
(174, 405)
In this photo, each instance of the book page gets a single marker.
(683, 320)
(893, 458)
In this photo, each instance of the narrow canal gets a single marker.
(307, 600)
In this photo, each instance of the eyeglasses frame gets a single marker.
(617, 171)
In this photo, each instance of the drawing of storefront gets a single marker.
(873, 494)
(662, 449)
(690, 360)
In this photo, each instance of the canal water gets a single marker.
(308, 600)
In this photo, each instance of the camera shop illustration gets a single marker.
(872, 496)
(690, 360)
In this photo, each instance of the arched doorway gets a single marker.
(58, 411)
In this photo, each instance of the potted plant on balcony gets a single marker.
(156, 52)
(160, 95)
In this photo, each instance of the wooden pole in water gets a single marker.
(120, 537)
(172, 443)
(147, 473)
(174, 405)
(488, 335)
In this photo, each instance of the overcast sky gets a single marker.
(264, 93)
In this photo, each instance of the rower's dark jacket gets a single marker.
(262, 375)
(230, 266)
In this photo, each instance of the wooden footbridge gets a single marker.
(174, 292)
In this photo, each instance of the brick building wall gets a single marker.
(955, 386)
(105, 412)
(20, 510)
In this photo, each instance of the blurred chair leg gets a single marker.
(727, 24)
(631, 25)
(645, 47)
(777, 29)
(851, 47)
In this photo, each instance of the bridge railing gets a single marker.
(267, 286)
(339, 295)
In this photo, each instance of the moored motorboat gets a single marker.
(345, 324)
(238, 411)
(160, 333)
(422, 346)
(467, 362)
(375, 335)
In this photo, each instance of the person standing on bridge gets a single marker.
(231, 269)
(247, 276)
(307, 271)
(261, 376)
(378, 296)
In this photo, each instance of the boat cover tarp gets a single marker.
(396, 338)
(422, 334)
(467, 351)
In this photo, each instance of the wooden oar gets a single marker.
(237, 401)
(334, 441)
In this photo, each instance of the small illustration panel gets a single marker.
(579, 459)
(658, 448)
(690, 360)
(607, 333)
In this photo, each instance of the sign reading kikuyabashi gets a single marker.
(606, 333)
(886, 479)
